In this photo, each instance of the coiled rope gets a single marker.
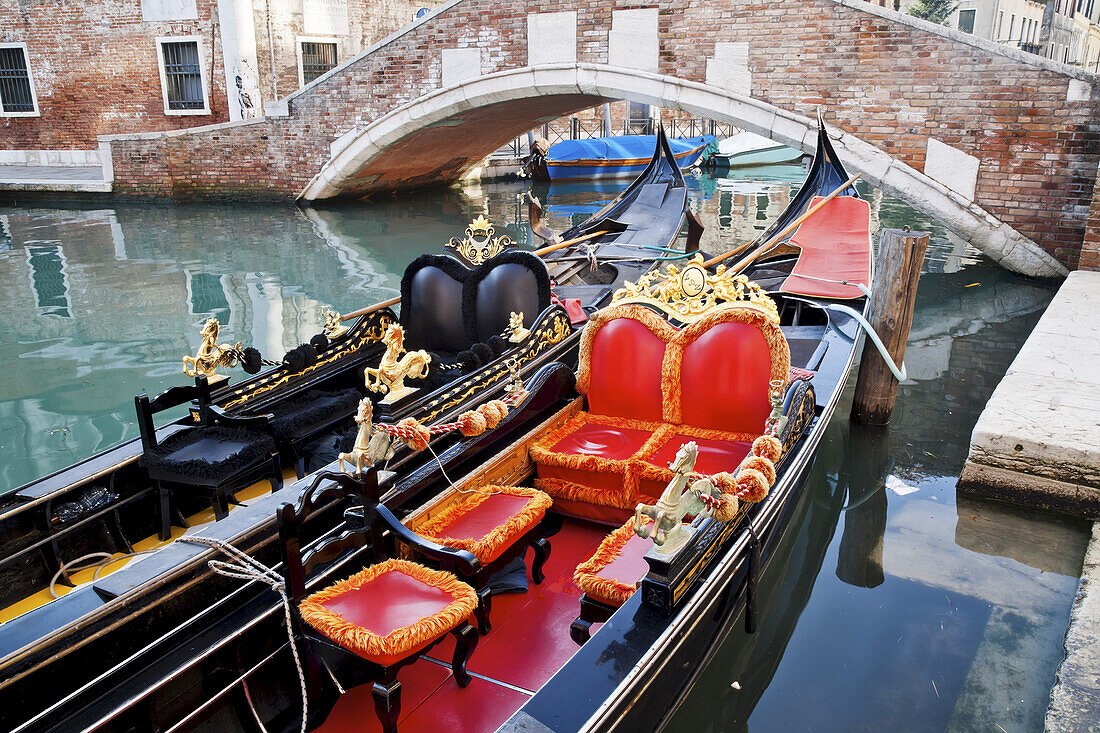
(248, 568)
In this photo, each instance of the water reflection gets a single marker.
(859, 558)
(941, 615)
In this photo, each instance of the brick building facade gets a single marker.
(77, 70)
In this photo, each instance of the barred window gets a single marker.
(183, 75)
(317, 58)
(16, 94)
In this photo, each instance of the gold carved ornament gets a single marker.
(479, 246)
(688, 293)
(211, 354)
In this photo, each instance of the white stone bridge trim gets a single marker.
(354, 152)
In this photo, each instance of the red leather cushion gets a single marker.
(724, 379)
(485, 517)
(625, 371)
(715, 456)
(390, 601)
(595, 439)
(629, 566)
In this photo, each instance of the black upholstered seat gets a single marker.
(447, 307)
(216, 457)
(208, 454)
(301, 419)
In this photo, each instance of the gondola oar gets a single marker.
(537, 252)
(772, 241)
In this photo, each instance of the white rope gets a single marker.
(105, 559)
(250, 569)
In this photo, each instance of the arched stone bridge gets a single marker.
(1000, 145)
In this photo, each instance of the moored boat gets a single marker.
(116, 630)
(623, 156)
(747, 149)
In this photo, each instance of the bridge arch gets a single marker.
(445, 133)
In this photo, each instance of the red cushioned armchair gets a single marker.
(383, 616)
(651, 387)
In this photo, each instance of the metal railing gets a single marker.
(576, 128)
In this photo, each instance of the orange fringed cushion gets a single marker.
(487, 521)
(612, 574)
(390, 610)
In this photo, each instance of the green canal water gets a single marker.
(891, 604)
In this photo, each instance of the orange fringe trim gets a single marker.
(488, 547)
(368, 644)
(562, 489)
(607, 590)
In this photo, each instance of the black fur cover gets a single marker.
(254, 446)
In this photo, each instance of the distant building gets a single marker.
(1062, 30)
(71, 71)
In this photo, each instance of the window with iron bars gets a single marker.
(317, 58)
(182, 75)
(15, 81)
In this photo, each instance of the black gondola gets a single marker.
(101, 632)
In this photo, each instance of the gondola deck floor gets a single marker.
(536, 622)
(152, 542)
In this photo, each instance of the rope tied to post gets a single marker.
(249, 569)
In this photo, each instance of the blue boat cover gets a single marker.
(623, 147)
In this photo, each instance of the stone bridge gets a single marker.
(999, 145)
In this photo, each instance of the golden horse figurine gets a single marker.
(371, 445)
(211, 354)
(668, 530)
(516, 331)
(332, 329)
(392, 371)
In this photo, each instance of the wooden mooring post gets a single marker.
(900, 254)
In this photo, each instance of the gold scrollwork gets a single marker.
(379, 323)
(479, 245)
(689, 292)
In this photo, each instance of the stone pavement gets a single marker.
(52, 178)
(1038, 440)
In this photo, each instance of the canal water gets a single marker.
(891, 604)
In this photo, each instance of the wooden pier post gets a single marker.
(900, 254)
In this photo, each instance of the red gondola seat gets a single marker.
(497, 524)
(383, 616)
(651, 387)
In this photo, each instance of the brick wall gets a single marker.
(95, 71)
(891, 83)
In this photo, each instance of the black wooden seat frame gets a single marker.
(372, 531)
(209, 415)
(592, 612)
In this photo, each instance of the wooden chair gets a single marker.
(497, 524)
(373, 622)
(218, 456)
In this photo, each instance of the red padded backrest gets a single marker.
(625, 371)
(724, 379)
